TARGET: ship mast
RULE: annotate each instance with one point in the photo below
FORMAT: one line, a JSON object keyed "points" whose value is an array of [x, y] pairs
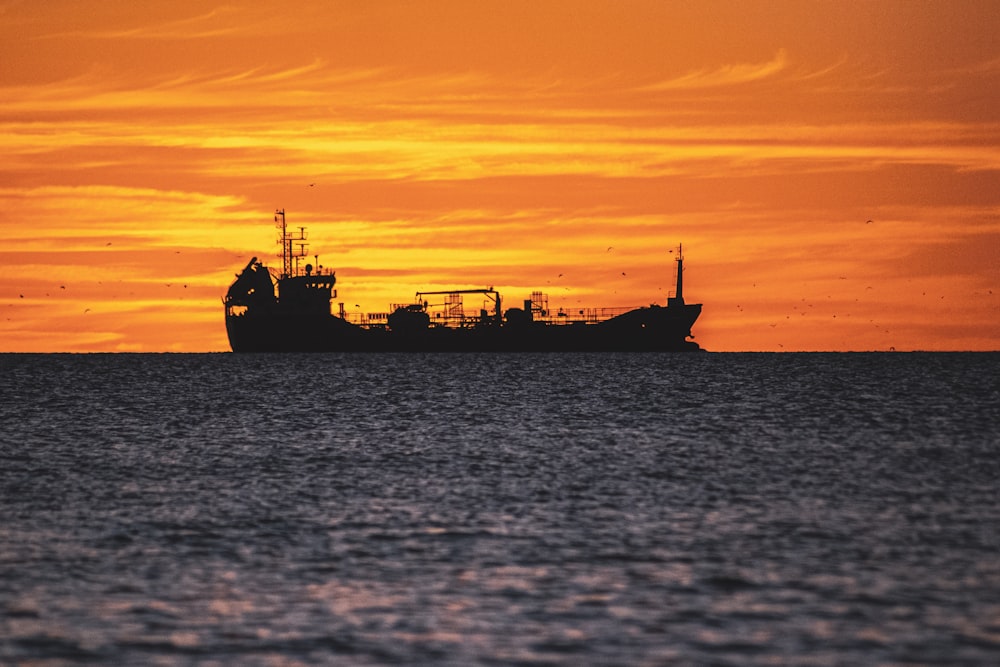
{"points": [[288, 252], [678, 297], [680, 273]]}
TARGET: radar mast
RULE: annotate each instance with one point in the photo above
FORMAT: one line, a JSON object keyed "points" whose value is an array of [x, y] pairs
{"points": [[289, 252]]}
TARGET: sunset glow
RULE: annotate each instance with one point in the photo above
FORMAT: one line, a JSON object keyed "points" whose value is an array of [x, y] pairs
{"points": [[832, 168]]}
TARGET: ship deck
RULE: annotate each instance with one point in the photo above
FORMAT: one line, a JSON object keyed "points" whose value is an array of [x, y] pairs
{"points": [[443, 318]]}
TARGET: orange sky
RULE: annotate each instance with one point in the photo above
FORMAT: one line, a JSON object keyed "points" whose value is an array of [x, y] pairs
{"points": [[429, 145]]}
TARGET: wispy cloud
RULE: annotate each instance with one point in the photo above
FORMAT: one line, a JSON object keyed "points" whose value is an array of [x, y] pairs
{"points": [[219, 22], [726, 75]]}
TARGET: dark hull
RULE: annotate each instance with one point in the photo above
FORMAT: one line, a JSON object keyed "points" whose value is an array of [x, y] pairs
{"points": [[652, 329]]}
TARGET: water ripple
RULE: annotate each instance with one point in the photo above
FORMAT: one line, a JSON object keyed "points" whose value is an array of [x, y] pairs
{"points": [[640, 509]]}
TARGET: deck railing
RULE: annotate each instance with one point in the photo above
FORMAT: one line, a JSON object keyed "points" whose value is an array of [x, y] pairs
{"points": [[443, 318]]}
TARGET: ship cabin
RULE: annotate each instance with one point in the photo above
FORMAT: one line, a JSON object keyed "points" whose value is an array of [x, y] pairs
{"points": [[307, 294]]}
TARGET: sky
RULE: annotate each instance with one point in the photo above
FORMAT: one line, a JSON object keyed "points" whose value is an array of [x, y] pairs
{"points": [[832, 169]]}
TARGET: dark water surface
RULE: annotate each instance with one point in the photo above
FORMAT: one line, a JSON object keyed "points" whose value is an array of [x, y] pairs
{"points": [[490, 509]]}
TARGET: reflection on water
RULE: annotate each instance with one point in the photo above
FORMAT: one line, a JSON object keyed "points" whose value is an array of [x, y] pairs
{"points": [[485, 509]]}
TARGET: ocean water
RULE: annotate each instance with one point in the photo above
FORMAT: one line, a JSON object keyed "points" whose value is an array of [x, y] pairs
{"points": [[491, 509]]}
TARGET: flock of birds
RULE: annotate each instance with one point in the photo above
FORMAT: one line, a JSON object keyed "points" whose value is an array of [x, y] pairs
{"points": [[115, 296]]}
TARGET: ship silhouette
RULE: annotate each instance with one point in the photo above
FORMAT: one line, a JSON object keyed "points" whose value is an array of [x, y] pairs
{"points": [[292, 311]]}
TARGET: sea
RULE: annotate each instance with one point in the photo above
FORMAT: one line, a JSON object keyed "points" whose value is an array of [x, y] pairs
{"points": [[500, 509]]}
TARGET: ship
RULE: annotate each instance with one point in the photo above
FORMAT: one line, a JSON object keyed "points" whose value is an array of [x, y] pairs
{"points": [[292, 310]]}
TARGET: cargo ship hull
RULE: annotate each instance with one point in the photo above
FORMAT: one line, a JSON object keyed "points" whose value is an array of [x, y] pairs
{"points": [[652, 329]]}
